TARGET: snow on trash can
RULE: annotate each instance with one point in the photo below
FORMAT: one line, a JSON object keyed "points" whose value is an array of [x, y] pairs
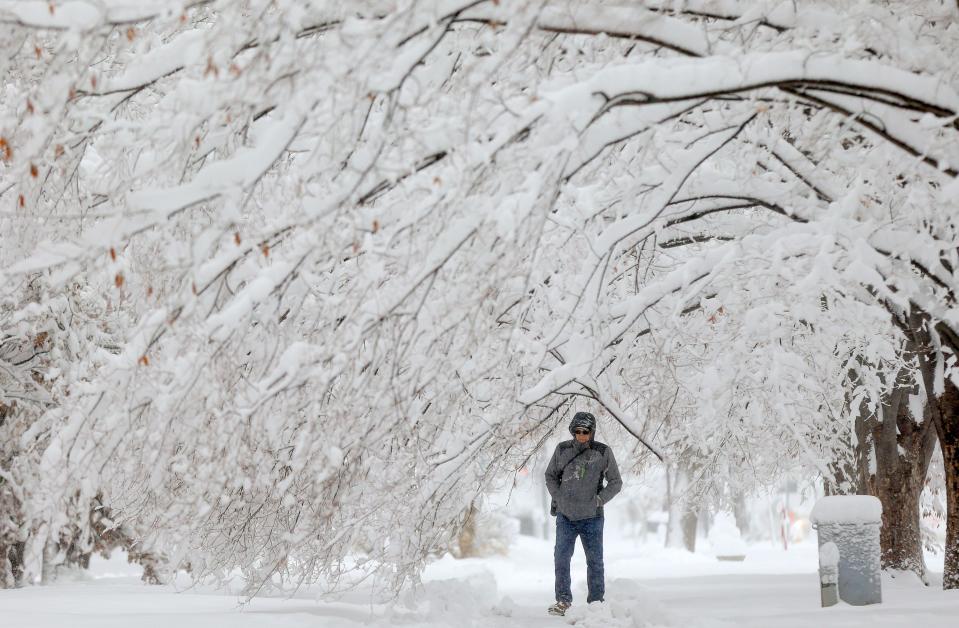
{"points": [[851, 524], [829, 574]]}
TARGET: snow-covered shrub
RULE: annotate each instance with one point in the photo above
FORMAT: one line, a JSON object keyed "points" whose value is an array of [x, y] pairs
{"points": [[725, 538]]}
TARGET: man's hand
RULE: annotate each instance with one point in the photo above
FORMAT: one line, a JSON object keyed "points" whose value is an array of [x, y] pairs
{"points": [[599, 501]]}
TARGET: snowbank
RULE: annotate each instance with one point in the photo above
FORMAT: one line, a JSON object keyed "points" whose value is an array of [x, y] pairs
{"points": [[475, 596], [628, 605], [468, 596], [648, 587]]}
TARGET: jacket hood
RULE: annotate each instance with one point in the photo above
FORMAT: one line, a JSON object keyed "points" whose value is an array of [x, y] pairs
{"points": [[586, 420]]}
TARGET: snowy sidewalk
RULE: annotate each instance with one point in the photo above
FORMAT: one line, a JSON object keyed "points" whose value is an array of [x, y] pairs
{"points": [[648, 587]]}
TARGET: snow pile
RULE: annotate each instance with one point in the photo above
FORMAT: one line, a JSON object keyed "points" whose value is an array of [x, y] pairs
{"points": [[444, 601], [627, 605], [725, 538], [849, 509], [506, 607]]}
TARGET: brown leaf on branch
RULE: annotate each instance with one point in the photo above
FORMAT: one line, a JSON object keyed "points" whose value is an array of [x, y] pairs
{"points": [[118, 280], [211, 68], [715, 316], [34, 171], [113, 254], [5, 149]]}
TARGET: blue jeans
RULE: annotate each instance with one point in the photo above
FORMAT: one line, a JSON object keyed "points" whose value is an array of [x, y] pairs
{"points": [[590, 533]]}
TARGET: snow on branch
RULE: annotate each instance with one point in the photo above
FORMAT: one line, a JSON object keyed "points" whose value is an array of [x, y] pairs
{"points": [[86, 14]]}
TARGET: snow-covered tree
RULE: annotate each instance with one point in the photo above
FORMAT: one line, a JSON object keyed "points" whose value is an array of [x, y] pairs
{"points": [[351, 260]]}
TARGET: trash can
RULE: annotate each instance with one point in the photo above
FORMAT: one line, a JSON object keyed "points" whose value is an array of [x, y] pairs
{"points": [[851, 523]]}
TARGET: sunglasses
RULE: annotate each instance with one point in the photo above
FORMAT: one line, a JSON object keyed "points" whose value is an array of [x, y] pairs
{"points": [[582, 432]]}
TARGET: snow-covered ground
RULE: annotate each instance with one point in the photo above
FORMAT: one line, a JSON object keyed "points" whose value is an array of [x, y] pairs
{"points": [[647, 587]]}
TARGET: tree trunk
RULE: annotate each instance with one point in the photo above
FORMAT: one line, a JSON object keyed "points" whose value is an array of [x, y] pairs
{"points": [[675, 489], [11, 565], [892, 455], [741, 514], [900, 536], [849, 469], [466, 541], [903, 448], [48, 570], [944, 412], [689, 521], [681, 528], [948, 428]]}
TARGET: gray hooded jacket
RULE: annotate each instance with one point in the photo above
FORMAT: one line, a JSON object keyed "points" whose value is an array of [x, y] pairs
{"points": [[575, 476]]}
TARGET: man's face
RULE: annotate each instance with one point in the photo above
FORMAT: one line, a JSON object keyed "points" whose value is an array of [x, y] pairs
{"points": [[582, 434]]}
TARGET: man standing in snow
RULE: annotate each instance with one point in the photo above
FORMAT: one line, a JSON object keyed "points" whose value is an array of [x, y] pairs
{"points": [[575, 478]]}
